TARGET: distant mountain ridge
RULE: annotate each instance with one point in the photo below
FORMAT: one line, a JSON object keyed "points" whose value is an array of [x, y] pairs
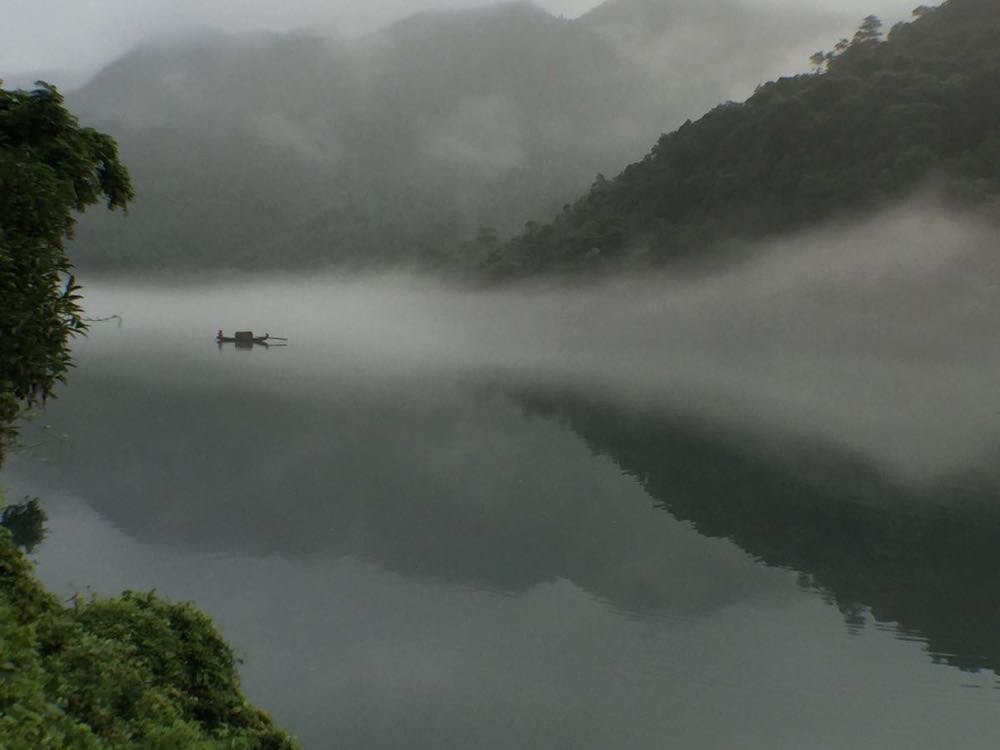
{"points": [[876, 121], [416, 146]]}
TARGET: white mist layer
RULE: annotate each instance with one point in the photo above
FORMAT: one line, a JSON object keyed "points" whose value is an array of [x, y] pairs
{"points": [[881, 338]]}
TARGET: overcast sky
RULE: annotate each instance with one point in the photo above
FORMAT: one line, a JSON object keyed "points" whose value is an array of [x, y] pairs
{"points": [[74, 38]]}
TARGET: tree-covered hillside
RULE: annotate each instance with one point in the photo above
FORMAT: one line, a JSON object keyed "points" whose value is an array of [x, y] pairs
{"points": [[878, 118], [398, 148]]}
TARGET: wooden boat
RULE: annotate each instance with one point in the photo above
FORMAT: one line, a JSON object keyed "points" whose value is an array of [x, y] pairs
{"points": [[244, 339]]}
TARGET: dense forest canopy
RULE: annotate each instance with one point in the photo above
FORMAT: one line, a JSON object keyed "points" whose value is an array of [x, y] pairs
{"points": [[878, 118]]}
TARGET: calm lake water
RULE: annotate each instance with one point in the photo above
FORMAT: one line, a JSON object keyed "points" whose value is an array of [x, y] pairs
{"points": [[424, 528]]}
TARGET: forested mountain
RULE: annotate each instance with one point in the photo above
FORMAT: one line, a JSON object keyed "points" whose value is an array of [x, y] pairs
{"points": [[416, 145], [877, 119]]}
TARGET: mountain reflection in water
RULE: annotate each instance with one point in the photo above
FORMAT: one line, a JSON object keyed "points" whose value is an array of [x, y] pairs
{"points": [[921, 559], [422, 485]]}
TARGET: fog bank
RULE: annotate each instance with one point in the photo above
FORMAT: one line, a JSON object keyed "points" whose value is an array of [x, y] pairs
{"points": [[71, 42], [880, 337]]}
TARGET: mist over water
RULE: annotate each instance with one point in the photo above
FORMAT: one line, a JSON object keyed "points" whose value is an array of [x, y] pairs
{"points": [[746, 500], [697, 505], [880, 338]]}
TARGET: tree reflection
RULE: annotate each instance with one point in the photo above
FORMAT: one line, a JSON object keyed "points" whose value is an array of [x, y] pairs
{"points": [[26, 523], [923, 559]]}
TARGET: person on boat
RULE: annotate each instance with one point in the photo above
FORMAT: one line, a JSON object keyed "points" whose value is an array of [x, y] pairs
{"points": [[219, 337]]}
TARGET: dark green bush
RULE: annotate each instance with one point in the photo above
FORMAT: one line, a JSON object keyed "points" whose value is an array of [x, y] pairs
{"points": [[107, 673]]}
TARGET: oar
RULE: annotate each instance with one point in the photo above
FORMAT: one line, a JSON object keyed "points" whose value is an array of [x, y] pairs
{"points": [[277, 338]]}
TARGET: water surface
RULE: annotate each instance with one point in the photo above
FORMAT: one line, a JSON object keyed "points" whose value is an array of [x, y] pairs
{"points": [[459, 520]]}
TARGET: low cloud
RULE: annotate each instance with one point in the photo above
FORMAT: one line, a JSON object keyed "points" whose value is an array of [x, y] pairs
{"points": [[880, 337], [483, 132]]}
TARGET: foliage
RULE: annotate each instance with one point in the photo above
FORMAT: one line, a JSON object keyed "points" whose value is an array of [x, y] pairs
{"points": [[9, 409], [25, 521], [50, 168], [877, 120], [104, 673], [109, 673]]}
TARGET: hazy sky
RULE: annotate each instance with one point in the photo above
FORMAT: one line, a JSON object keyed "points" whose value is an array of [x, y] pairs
{"points": [[76, 37]]}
